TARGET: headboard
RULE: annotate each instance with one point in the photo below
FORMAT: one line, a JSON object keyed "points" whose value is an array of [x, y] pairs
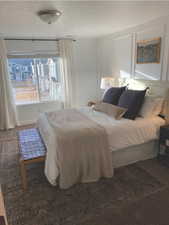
{"points": [[157, 88]]}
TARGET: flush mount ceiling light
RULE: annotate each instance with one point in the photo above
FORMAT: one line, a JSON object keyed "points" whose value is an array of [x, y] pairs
{"points": [[49, 16]]}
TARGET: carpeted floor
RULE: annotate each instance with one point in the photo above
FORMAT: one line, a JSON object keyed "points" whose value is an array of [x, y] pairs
{"points": [[137, 195]]}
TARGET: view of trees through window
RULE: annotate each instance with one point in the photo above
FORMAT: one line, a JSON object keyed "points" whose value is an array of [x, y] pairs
{"points": [[35, 79]]}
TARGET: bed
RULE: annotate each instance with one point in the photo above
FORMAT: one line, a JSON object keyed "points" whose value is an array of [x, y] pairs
{"points": [[129, 141]]}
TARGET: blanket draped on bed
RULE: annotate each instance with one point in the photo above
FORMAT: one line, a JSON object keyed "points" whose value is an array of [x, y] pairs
{"points": [[82, 148]]}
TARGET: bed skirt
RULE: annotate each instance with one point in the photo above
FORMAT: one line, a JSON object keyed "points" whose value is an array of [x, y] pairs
{"points": [[126, 156]]}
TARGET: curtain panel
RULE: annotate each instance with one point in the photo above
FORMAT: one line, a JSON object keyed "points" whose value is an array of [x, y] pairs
{"points": [[8, 118], [67, 72]]}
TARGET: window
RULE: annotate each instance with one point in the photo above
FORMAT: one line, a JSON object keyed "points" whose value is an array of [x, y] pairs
{"points": [[35, 79]]}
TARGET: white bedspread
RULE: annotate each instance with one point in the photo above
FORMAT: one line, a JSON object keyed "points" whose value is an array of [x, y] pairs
{"points": [[124, 133], [121, 134]]}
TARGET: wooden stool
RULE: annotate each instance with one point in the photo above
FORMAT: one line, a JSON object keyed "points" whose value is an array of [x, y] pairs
{"points": [[32, 150]]}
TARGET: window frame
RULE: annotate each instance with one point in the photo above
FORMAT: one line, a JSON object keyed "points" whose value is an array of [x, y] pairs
{"points": [[20, 56]]}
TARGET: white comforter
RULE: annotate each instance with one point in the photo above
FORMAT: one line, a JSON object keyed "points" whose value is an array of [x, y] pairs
{"points": [[121, 134], [124, 133]]}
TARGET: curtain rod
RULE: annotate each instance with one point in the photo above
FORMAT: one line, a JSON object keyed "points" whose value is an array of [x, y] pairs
{"points": [[27, 39]]}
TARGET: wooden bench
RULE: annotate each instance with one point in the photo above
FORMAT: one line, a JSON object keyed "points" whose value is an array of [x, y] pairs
{"points": [[32, 150], [3, 218]]}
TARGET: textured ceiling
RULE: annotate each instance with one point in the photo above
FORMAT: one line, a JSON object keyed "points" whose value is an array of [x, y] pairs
{"points": [[79, 19]]}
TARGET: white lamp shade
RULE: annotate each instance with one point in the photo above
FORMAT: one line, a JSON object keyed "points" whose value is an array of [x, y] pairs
{"points": [[106, 82]]}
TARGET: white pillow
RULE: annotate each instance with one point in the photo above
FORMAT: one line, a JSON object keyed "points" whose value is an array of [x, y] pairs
{"points": [[111, 110], [152, 106]]}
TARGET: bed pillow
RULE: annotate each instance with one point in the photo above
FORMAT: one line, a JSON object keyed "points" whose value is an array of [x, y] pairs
{"points": [[111, 110], [113, 94], [152, 106], [132, 100]]}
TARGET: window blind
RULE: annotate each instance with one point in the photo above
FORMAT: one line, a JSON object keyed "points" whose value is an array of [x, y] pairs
{"points": [[31, 48]]}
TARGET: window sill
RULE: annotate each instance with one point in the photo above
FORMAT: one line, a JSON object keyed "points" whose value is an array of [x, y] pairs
{"points": [[29, 103], [37, 103]]}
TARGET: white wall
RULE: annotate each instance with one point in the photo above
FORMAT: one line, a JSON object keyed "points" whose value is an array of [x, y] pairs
{"points": [[29, 113], [84, 54], [117, 52], [106, 56], [85, 58], [115, 55]]}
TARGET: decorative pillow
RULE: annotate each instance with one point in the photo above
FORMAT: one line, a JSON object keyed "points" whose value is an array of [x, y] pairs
{"points": [[111, 110], [113, 94], [152, 106], [132, 100]]}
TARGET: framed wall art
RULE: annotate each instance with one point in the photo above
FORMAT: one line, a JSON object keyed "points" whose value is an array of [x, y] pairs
{"points": [[148, 51]]}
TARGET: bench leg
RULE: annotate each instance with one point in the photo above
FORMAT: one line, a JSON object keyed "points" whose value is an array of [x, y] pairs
{"points": [[23, 174]]}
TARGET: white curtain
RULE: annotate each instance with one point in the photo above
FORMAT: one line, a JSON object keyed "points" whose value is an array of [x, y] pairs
{"points": [[7, 105], [67, 72]]}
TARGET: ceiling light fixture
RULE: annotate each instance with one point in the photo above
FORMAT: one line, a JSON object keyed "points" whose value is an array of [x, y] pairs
{"points": [[49, 16]]}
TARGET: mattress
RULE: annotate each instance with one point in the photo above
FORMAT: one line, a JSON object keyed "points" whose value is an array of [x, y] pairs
{"points": [[121, 133]]}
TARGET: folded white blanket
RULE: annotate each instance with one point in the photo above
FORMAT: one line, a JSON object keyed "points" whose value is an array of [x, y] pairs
{"points": [[82, 152]]}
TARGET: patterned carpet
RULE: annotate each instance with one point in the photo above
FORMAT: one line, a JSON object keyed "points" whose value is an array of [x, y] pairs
{"points": [[101, 203]]}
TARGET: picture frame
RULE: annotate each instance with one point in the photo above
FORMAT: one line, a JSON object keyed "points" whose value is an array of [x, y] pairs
{"points": [[148, 51]]}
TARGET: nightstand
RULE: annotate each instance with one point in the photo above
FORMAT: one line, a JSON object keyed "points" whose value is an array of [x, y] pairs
{"points": [[164, 136]]}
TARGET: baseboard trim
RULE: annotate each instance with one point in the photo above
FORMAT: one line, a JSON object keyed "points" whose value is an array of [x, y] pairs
{"points": [[28, 122]]}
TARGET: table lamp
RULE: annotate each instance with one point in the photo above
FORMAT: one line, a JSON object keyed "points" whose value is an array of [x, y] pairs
{"points": [[106, 82]]}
